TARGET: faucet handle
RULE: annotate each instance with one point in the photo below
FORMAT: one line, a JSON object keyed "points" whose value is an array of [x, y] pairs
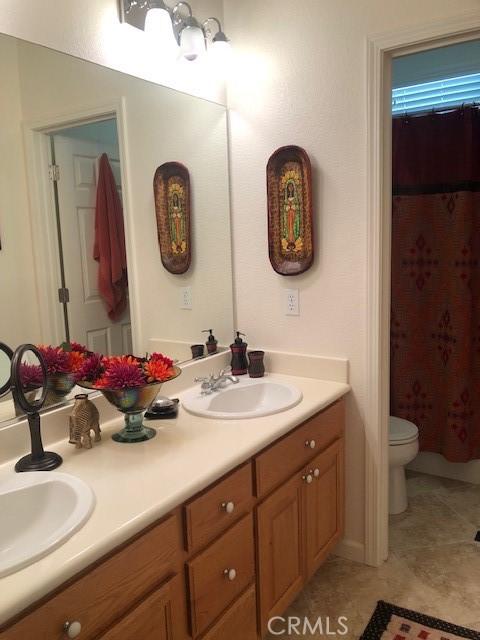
{"points": [[203, 379]]}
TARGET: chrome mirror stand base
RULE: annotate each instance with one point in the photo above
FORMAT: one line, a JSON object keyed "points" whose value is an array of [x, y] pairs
{"points": [[48, 462]]}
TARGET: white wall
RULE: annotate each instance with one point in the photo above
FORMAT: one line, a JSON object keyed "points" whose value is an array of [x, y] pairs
{"points": [[90, 29], [161, 125], [17, 289], [301, 79]]}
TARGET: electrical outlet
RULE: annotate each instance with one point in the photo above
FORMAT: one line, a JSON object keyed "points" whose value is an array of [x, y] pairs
{"points": [[292, 302], [186, 298]]}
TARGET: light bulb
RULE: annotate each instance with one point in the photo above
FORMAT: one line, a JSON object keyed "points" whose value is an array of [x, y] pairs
{"points": [[158, 25], [192, 42]]}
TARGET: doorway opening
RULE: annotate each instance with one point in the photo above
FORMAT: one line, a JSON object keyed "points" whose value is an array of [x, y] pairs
{"points": [[382, 49], [434, 429], [85, 172]]}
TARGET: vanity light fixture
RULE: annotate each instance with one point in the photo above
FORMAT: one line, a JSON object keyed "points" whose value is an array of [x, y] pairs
{"points": [[190, 34], [171, 26], [220, 44], [158, 22]]}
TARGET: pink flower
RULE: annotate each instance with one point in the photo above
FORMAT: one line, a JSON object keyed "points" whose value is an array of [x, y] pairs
{"points": [[76, 346], [120, 374], [56, 359], [91, 369], [31, 375], [159, 357]]}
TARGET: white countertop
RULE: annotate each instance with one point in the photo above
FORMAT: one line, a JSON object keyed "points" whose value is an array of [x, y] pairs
{"points": [[137, 484]]}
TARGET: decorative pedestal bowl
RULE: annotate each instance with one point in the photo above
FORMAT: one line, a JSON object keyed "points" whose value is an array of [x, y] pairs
{"points": [[59, 385], [133, 402]]}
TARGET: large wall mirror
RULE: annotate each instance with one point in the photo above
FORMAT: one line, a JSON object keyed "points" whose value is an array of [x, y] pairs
{"points": [[59, 116]]}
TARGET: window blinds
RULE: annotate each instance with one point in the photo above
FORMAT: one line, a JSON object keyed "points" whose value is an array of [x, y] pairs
{"points": [[447, 94]]}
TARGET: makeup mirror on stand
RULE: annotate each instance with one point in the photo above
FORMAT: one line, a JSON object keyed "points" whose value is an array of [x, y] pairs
{"points": [[29, 389]]}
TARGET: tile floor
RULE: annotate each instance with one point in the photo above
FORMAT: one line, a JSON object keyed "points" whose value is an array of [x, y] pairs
{"points": [[433, 567]]}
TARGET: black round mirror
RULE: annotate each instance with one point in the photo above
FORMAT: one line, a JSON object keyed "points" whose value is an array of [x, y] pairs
{"points": [[29, 378], [6, 355], [29, 388]]}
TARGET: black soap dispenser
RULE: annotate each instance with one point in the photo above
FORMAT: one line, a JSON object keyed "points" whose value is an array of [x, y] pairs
{"points": [[211, 342], [239, 355]]}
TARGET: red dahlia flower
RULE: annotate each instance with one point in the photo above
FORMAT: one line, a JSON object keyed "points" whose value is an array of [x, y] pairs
{"points": [[55, 358]]}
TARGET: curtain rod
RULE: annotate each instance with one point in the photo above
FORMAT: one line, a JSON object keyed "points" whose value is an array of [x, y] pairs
{"points": [[434, 110]]}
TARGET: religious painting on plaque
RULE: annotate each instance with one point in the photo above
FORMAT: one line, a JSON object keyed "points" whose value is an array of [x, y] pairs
{"points": [[290, 223], [171, 188]]}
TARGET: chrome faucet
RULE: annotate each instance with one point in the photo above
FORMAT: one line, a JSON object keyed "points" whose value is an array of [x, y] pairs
{"points": [[215, 383]]}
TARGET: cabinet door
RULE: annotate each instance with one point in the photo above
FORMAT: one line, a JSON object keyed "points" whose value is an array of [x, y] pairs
{"points": [[323, 505], [280, 549], [161, 616]]}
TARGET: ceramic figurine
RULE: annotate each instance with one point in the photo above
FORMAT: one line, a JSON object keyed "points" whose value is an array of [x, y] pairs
{"points": [[83, 419]]}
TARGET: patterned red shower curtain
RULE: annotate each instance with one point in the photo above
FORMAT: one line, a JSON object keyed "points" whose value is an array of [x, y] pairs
{"points": [[435, 321]]}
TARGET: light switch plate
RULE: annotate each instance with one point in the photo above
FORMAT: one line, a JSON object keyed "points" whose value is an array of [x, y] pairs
{"points": [[186, 298], [292, 302]]}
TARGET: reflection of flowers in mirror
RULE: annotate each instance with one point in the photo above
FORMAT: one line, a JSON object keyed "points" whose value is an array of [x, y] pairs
{"points": [[67, 360]]}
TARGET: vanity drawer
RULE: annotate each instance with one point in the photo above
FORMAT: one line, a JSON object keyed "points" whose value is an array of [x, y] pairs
{"points": [[212, 587], [239, 622], [161, 616], [101, 596], [278, 462], [214, 510]]}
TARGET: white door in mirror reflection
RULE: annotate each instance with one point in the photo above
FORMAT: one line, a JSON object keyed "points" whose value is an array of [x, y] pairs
{"points": [[77, 159]]}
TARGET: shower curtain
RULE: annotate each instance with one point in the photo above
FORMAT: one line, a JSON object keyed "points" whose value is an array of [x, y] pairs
{"points": [[435, 319]]}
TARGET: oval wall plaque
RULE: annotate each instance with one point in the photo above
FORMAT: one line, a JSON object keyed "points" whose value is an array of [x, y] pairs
{"points": [[171, 188], [290, 217]]}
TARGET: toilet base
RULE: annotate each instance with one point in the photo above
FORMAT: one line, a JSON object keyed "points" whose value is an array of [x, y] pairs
{"points": [[398, 501]]}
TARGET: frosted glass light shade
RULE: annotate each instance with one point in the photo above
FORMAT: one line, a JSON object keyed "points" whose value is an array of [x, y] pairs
{"points": [[221, 50], [192, 43], [158, 24], [220, 54]]}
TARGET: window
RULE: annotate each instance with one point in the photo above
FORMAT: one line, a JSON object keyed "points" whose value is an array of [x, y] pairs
{"points": [[448, 94]]}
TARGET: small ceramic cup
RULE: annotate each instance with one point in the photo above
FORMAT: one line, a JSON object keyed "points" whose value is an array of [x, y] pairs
{"points": [[256, 367], [197, 350]]}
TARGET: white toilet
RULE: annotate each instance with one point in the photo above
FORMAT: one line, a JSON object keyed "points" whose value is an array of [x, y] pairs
{"points": [[403, 447]]}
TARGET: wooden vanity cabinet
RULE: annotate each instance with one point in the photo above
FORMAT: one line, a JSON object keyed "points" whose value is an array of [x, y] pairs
{"points": [[221, 565], [280, 549], [302, 520], [323, 506], [103, 594]]}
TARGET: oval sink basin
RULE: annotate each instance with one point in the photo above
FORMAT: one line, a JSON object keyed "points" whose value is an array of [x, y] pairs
{"points": [[250, 398], [39, 511]]}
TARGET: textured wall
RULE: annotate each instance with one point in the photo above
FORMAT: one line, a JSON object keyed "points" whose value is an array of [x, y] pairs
{"points": [[300, 78], [90, 29], [17, 287]]}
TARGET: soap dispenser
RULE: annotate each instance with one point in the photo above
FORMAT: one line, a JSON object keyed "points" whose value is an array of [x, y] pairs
{"points": [[211, 342], [239, 355]]}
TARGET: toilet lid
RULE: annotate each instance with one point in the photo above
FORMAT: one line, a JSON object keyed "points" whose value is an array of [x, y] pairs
{"points": [[402, 430]]}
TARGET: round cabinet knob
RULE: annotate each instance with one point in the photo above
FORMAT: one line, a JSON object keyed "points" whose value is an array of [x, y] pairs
{"points": [[231, 574], [311, 444], [72, 629], [308, 478], [316, 473], [229, 507]]}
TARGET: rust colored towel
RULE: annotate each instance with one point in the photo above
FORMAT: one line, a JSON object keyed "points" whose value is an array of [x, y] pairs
{"points": [[109, 247]]}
